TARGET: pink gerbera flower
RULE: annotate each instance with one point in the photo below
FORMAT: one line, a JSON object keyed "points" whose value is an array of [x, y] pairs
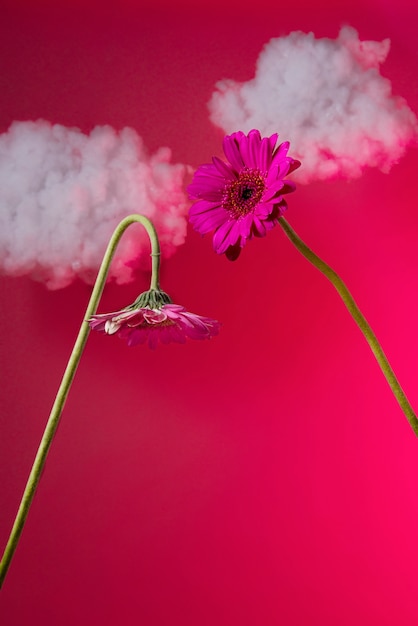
{"points": [[241, 199], [167, 323]]}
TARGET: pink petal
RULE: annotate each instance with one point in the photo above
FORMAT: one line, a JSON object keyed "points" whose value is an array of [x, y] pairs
{"points": [[294, 164], [209, 221], [153, 339], [173, 308], [264, 209], [206, 187], [224, 236], [259, 228], [250, 148], [224, 169], [97, 324], [135, 336], [207, 169], [272, 142], [232, 153], [282, 150], [202, 206], [244, 226], [155, 316], [272, 189], [264, 157], [176, 334], [207, 177], [288, 187], [136, 319]]}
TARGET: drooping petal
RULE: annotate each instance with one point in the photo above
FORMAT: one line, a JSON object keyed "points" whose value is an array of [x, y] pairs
{"points": [[196, 332], [176, 334], [153, 337], [170, 322], [97, 324], [154, 316], [195, 322], [134, 337], [172, 308], [111, 327]]}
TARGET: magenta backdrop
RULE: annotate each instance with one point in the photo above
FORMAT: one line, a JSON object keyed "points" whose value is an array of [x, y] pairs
{"points": [[267, 477]]}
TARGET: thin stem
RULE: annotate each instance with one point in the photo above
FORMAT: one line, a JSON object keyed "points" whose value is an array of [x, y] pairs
{"points": [[68, 377], [359, 319]]}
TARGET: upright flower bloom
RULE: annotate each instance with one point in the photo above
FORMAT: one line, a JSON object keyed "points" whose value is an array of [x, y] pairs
{"points": [[241, 199], [152, 318]]}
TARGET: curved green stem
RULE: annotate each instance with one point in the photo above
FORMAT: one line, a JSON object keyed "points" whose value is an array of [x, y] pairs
{"points": [[68, 377], [358, 318]]}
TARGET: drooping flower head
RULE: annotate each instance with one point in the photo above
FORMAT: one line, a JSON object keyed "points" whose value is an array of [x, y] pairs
{"points": [[241, 199], [151, 319]]}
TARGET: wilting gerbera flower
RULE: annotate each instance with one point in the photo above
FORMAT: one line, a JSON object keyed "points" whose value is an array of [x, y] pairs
{"points": [[241, 199], [168, 323]]}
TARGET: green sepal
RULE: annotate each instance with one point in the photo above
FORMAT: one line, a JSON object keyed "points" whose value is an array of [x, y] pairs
{"points": [[152, 299]]}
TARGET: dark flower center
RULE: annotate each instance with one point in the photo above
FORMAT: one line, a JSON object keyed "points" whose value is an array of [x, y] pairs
{"points": [[247, 192], [242, 195]]}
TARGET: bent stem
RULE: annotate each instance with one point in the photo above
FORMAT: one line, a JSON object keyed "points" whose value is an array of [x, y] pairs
{"points": [[359, 319], [68, 377]]}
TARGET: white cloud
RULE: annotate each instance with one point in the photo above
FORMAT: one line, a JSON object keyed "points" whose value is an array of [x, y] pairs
{"points": [[328, 98], [62, 193]]}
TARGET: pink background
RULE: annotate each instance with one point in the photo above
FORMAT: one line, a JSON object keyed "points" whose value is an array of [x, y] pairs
{"points": [[267, 477]]}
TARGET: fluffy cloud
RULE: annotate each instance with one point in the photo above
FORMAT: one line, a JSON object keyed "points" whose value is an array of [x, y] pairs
{"points": [[328, 98], [62, 193]]}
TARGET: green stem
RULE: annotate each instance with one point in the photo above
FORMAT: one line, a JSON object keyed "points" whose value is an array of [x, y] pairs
{"points": [[68, 377], [358, 318]]}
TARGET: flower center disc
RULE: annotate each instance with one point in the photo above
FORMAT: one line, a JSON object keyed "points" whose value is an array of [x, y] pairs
{"points": [[243, 194]]}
